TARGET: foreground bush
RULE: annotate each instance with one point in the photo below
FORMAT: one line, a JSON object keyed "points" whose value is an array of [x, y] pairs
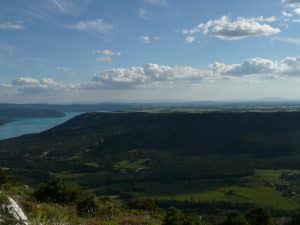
{"points": [[87, 206], [259, 217], [253, 217], [235, 218], [58, 192], [143, 204], [176, 217]]}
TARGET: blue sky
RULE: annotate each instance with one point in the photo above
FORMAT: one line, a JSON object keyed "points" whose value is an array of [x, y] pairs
{"points": [[149, 50]]}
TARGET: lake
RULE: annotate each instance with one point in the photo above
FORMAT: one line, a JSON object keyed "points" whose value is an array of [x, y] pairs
{"points": [[30, 126]]}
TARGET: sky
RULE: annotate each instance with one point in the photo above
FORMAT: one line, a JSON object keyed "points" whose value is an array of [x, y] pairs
{"points": [[72, 51]]}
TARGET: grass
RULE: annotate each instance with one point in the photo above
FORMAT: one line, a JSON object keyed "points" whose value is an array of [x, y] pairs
{"points": [[126, 165], [262, 196], [273, 176], [94, 165]]}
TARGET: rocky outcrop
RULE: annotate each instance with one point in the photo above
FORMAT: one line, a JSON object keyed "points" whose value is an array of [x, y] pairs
{"points": [[12, 212]]}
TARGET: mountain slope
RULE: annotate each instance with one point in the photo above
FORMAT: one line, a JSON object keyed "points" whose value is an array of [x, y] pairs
{"points": [[145, 153]]}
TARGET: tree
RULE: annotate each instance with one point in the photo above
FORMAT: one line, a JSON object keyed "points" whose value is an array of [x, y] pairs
{"points": [[4, 177], [57, 191], [235, 218], [259, 217]]}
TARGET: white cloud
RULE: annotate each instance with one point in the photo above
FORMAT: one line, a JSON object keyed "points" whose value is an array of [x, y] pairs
{"points": [[291, 3], [97, 25], [292, 9], [289, 66], [287, 14], [190, 39], [106, 55], [145, 39], [151, 75], [11, 26], [147, 75], [32, 85], [107, 52], [227, 29], [296, 11], [249, 67]]}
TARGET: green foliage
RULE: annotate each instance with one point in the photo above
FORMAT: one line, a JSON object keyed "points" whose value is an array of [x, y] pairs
{"points": [[4, 177], [192, 220], [295, 220], [235, 218], [143, 204], [49, 214], [57, 191], [259, 217], [87, 206], [176, 217]]}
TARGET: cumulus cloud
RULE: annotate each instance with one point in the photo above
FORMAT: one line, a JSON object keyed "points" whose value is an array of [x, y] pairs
{"points": [[11, 26], [106, 55], [289, 66], [97, 25], [145, 39], [148, 74], [151, 74], [227, 29], [291, 3], [291, 10], [32, 85]]}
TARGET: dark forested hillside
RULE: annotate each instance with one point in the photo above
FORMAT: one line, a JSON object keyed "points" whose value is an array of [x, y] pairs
{"points": [[144, 153]]}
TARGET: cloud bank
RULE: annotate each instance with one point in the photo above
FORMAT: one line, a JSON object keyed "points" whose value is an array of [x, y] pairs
{"points": [[151, 74], [227, 29]]}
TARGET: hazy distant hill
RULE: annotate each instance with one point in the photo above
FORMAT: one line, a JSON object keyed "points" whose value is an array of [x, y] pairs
{"points": [[10, 112]]}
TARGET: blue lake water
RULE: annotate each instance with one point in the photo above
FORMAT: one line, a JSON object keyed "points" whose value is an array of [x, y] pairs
{"points": [[30, 126]]}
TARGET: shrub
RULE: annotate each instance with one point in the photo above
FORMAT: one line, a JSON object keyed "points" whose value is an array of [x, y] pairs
{"points": [[4, 177], [87, 206], [174, 217], [58, 192], [235, 218], [295, 220], [259, 217], [143, 204]]}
